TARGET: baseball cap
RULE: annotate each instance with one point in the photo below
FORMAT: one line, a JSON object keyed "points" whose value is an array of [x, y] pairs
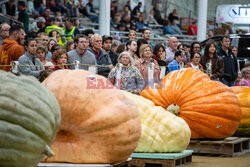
{"points": [[41, 19], [106, 37]]}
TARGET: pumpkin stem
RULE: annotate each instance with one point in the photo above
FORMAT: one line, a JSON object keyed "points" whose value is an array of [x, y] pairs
{"points": [[174, 108], [48, 151]]}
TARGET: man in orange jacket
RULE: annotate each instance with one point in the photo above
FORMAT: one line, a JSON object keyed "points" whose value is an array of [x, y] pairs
{"points": [[11, 48]]}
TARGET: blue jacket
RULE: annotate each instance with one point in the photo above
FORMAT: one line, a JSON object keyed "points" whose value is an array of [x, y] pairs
{"points": [[173, 66]]}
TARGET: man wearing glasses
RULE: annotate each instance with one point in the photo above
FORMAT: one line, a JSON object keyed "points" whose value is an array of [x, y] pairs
{"points": [[4, 31]]}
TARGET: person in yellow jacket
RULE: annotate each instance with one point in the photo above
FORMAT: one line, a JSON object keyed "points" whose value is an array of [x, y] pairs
{"points": [[55, 22], [70, 31]]}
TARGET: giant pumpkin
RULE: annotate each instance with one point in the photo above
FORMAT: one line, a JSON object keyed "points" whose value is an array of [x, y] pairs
{"points": [[161, 131], [243, 94], [29, 119], [210, 108], [99, 124]]}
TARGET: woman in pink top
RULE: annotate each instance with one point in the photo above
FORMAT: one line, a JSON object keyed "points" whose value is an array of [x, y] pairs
{"points": [[245, 80]]}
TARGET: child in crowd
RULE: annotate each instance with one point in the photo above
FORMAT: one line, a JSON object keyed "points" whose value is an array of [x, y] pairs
{"points": [[41, 54], [60, 57]]}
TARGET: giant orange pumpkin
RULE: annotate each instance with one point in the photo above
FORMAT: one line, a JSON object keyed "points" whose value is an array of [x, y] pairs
{"points": [[243, 94], [209, 107], [99, 124]]}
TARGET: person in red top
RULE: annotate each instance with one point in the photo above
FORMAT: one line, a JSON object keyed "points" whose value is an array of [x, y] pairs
{"points": [[11, 48], [192, 29], [60, 57]]}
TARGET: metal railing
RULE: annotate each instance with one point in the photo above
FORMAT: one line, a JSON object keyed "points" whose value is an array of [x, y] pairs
{"points": [[9, 20]]}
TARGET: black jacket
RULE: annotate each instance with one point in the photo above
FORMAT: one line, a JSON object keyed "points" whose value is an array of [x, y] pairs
{"points": [[230, 65], [114, 57]]}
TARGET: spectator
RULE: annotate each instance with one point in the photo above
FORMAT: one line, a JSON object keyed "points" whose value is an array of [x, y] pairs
{"points": [[70, 29], [90, 11], [80, 7], [23, 16], [113, 9], [139, 43], [9, 8], [4, 32], [41, 54], [172, 48], [55, 34], [102, 57], [157, 15], [31, 9], [88, 32], [126, 10], [186, 49], [46, 15], [226, 32], [210, 33], [137, 9], [126, 21], [195, 62], [106, 45], [131, 78], [234, 50], [212, 64], [70, 8], [60, 57], [173, 16], [132, 35], [70, 45], [43, 39], [160, 55], [178, 61], [167, 29], [195, 48], [11, 48], [40, 21], [77, 23], [51, 43], [41, 9], [121, 48], [81, 53], [140, 24], [29, 64], [175, 27], [150, 18], [146, 36], [245, 80], [146, 54], [132, 48], [230, 62], [55, 27], [115, 45], [192, 29]]}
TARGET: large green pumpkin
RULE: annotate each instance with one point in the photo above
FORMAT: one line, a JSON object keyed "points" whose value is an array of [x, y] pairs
{"points": [[29, 119]]}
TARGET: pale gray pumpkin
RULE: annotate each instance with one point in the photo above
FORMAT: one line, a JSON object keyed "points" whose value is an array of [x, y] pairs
{"points": [[29, 119]]}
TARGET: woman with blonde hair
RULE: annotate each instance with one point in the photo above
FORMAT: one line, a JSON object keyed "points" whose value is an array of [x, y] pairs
{"points": [[131, 79], [146, 57]]}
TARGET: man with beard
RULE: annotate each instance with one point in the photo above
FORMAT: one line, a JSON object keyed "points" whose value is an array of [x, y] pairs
{"points": [[106, 45], [11, 48]]}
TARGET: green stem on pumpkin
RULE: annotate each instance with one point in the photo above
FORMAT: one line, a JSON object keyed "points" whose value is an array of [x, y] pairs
{"points": [[48, 151], [174, 108]]}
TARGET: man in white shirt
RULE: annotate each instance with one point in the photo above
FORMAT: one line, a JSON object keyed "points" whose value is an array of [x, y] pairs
{"points": [[172, 48]]}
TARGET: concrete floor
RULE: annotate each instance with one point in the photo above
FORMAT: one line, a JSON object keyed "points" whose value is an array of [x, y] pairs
{"points": [[205, 161]]}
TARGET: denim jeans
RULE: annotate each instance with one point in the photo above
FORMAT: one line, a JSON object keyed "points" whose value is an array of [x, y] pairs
{"points": [[228, 83]]}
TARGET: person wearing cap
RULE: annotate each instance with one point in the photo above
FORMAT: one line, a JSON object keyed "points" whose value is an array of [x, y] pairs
{"points": [[55, 26], [70, 30], [102, 57], [40, 21], [106, 45]]}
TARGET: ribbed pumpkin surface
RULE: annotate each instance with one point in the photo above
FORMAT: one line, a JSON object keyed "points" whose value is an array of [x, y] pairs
{"points": [[29, 119], [210, 108], [161, 131], [243, 94], [98, 125]]}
